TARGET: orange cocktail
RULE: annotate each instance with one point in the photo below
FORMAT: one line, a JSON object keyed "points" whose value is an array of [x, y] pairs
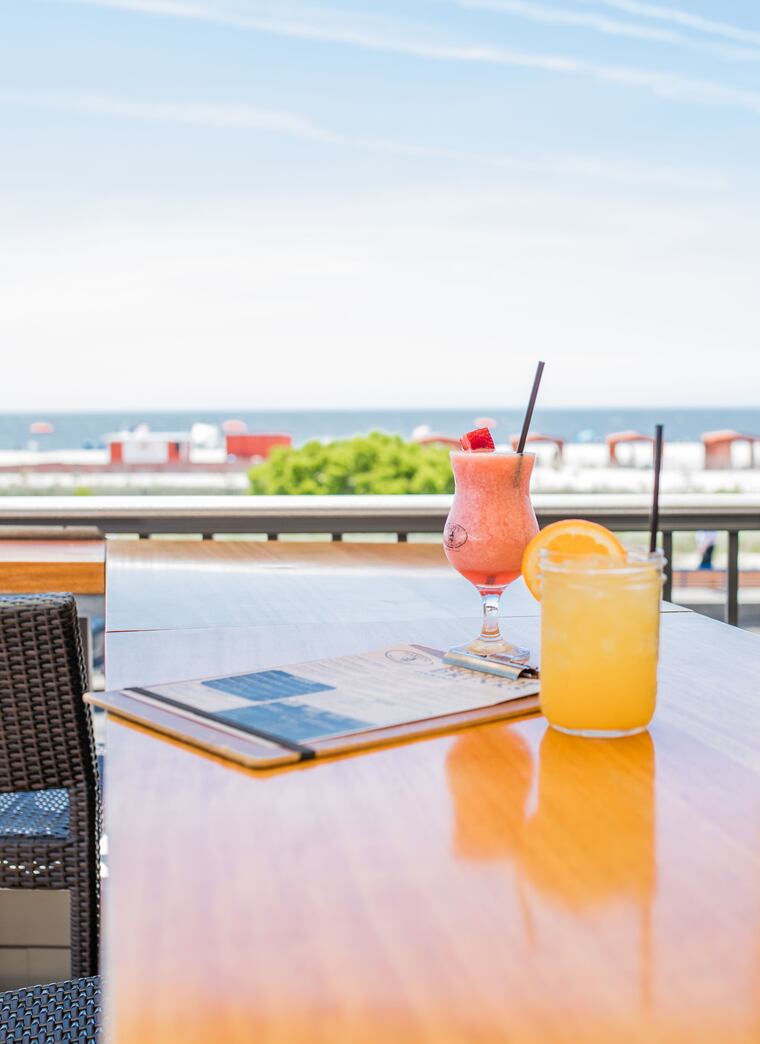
{"points": [[600, 627], [490, 523]]}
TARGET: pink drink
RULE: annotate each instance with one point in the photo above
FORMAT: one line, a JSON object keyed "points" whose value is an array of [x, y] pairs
{"points": [[491, 519]]}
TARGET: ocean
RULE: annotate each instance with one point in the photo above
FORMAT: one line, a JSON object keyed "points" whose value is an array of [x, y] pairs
{"points": [[87, 430]]}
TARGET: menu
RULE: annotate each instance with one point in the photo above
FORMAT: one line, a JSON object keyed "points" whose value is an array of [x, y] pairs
{"points": [[301, 706]]}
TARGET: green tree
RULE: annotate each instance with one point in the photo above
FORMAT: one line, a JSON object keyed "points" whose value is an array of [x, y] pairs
{"points": [[374, 463]]}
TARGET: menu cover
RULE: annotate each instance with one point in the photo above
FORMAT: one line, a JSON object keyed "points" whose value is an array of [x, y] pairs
{"points": [[284, 714]]}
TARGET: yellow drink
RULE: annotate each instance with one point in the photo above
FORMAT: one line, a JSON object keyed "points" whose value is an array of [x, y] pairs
{"points": [[600, 627]]}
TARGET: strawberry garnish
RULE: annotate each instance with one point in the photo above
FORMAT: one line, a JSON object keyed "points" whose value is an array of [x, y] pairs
{"points": [[480, 439]]}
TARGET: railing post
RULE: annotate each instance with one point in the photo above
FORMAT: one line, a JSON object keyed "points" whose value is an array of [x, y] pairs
{"points": [[732, 591], [667, 550]]}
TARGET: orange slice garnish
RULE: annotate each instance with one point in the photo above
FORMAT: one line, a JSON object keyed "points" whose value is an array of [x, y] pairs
{"points": [[571, 536]]}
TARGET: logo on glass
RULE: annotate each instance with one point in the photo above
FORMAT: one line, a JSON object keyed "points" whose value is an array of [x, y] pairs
{"points": [[454, 535]]}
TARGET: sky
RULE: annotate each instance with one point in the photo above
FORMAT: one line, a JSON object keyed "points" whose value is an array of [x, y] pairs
{"points": [[231, 203]]}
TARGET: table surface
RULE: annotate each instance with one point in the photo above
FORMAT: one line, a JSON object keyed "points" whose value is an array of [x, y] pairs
{"points": [[33, 566], [502, 883], [154, 584]]}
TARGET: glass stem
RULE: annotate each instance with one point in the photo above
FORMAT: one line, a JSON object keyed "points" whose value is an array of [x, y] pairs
{"points": [[490, 630]]}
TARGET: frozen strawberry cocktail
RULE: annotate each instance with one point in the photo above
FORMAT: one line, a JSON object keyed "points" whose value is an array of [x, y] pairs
{"points": [[489, 526], [491, 520]]}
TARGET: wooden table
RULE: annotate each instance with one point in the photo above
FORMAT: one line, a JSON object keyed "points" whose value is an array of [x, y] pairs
{"points": [[506, 883], [231, 583], [296, 596]]}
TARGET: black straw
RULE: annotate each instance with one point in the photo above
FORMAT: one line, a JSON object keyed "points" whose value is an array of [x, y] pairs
{"points": [[529, 411], [654, 518]]}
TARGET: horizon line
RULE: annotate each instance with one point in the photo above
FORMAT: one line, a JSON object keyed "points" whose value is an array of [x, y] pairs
{"points": [[519, 407]]}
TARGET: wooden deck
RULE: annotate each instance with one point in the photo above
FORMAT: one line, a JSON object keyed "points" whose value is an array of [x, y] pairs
{"points": [[34, 566], [713, 579]]}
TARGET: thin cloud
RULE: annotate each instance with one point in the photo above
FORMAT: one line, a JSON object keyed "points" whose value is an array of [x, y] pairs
{"points": [[687, 19], [307, 26], [247, 117], [607, 25], [660, 84]]}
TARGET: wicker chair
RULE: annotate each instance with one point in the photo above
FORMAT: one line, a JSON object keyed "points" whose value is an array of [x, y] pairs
{"points": [[63, 1011], [49, 794]]}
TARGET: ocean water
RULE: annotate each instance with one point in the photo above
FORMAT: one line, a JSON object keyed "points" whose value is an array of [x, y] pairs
{"points": [[78, 430]]}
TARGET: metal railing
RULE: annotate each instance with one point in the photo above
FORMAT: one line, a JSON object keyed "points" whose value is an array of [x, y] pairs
{"points": [[402, 515]]}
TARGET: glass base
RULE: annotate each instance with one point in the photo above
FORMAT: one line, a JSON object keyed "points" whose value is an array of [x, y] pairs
{"points": [[491, 663], [599, 733], [498, 647]]}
